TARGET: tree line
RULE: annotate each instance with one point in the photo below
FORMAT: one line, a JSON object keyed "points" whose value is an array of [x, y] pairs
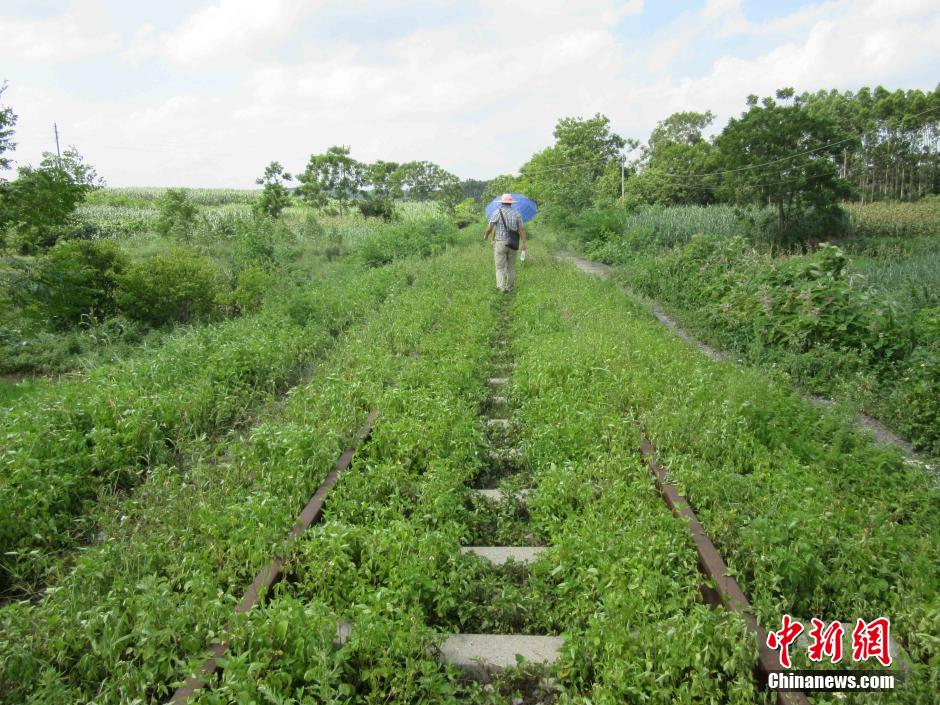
{"points": [[335, 177], [798, 154], [37, 207]]}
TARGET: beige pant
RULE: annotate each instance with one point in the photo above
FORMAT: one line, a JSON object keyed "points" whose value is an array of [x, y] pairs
{"points": [[505, 266]]}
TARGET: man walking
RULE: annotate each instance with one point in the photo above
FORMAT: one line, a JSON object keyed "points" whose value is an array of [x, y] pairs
{"points": [[504, 221]]}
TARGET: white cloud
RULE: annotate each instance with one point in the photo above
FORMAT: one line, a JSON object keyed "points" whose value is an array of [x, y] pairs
{"points": [[477, 95], [719, 8], [230, 25], [840, 45], [60, 38]]}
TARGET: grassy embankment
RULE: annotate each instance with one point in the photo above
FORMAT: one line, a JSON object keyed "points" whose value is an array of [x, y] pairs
{"points": [[859, 321]]}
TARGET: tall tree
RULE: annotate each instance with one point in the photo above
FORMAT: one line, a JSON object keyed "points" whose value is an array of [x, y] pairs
{"points": [[778, 153], [40, 203], [333, 174], [379, 177], [473, 188], [505, 183], [897, 155], [274, 196], [566, 173], [426, 181], [674, 160], [7, 123]]}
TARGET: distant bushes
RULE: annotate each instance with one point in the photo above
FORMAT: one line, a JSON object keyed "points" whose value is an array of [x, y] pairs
{"points": [[77, 281], [423, 238], [250, 287], [180, 286], [85, 282], [378, 207], [467, 212], [177, 215]]}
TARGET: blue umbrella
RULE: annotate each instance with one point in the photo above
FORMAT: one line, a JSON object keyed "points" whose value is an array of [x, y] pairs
{"points": [[526, 207]]}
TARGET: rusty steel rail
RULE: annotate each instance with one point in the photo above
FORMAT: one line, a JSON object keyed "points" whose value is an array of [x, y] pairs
{"points": [[726, 592], [272, 572]]}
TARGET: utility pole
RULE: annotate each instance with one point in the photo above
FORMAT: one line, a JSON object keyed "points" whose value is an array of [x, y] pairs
{"points": [[57, 150]]}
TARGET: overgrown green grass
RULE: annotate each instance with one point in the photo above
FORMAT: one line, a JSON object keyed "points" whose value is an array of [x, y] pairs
{"points": [[102, 433], [812, 518], [174, 557], [619, 579], [907, 271], [864, 327], [13, 388]]}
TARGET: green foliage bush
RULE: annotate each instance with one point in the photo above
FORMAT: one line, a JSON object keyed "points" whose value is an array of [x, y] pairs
{"points": [[275, 196], [378, 207], [77, 281], [812, 314], [48, 351], [423, 238], [262, 242], [467, 212], [795, 303], [180, 286], [913, 403], [178, 214], [251, 285], [38, 207]]}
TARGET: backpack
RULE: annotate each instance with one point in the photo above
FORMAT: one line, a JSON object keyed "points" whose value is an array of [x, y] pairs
{"points": [[513, 242]]}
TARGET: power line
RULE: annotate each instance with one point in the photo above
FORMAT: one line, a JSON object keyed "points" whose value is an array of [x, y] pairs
{"points": [[565, 165]]}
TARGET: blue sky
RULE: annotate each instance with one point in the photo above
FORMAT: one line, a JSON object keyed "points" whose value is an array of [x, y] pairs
{"points": [[206, 93]]}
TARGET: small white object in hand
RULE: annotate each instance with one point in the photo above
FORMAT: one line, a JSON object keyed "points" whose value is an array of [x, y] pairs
{"points": [[522, 256]]}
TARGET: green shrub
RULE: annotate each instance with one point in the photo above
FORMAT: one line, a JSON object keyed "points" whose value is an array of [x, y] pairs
{"points": [[802, 303], [39, 205], [424, 238], [178, 214], [248, 294], [914, 402], [177, 287], [76, 281], [467, 212], [378, 207], [309, 227], [334, 246], [261, 241], [47, 352]]}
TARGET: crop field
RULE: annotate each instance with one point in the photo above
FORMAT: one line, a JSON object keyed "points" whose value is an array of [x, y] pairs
{"points": [[142, 496]]}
